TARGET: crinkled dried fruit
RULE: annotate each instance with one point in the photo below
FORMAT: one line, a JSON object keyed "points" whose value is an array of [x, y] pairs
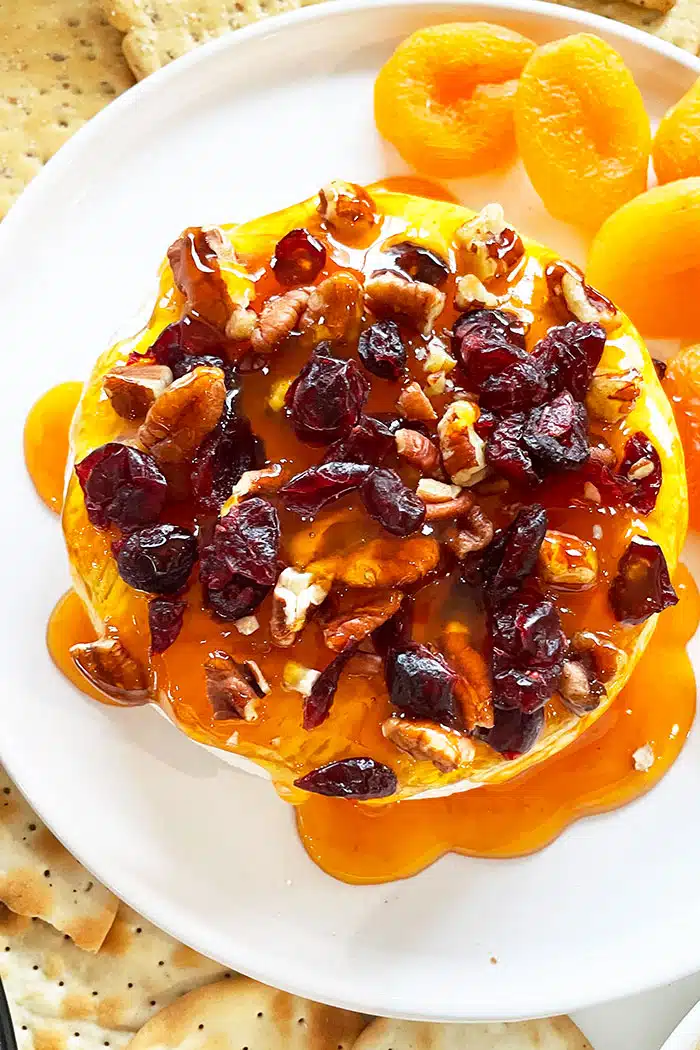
{"points": [[358, 778], [311, 490], [382, 350], [506, 451], [165, 622], [369, 441], [396, 507], [186, 344], [516, 389], [503, 566], [122, 486], [224, 456], [157, 558], [569, 355], [641, 466], [642, 586], [487, 342], [422, 685], [326, 398], [556, 434], [514, 732], [527, 652], [298, 259], [239, 567], [317, 705], [420, 263]]}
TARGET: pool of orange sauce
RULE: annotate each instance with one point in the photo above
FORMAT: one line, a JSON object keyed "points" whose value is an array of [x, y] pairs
{"points": [[46, 441]]}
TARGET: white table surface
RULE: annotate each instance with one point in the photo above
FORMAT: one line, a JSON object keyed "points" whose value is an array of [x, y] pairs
{"points": [[642, 1022]]}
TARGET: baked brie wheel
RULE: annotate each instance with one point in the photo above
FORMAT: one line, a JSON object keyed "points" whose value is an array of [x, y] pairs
{"points": [[384, 501]]}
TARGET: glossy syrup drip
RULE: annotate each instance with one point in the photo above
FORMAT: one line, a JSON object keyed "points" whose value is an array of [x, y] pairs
{"points": [[46, 441], [361, 844]]}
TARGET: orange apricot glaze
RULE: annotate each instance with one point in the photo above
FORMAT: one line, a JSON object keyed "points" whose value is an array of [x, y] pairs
{"points": [[46, 441]]}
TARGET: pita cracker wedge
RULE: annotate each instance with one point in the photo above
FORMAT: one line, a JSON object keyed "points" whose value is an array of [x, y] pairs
{"points": [[55, 990], [237, 1013], [553, 1033], [39, 878]]}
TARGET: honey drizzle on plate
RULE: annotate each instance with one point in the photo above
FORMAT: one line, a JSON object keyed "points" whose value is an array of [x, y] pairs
{"points": [[46, 441]]}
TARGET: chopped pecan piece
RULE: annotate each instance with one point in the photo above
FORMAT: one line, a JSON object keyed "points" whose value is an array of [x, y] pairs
{"points": [[181, 418], [612, 395], [414, 404], [473, 532], [279, 317], [472, 295], [365, 665], [348, 210], [389, 562], [463, 451], [567, 561], [417, 449], [132, 389], [334, 310], [579, 692], [492, 247], [451, 509], [253, 483], [608, 658], [393, 295], [445, 748], [241, 324], [294, 594], [431, 491], [568, 287], [473, 685], [233, 690], [108, 665], [299, 679], [352, 626]]}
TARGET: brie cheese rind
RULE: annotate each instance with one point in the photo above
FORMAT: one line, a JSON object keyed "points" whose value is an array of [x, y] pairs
{"points": [[274, 742]]}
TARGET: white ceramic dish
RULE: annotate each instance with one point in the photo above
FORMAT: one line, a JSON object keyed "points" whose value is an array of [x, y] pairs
{"points": [[687, 1035], [247, 124]]}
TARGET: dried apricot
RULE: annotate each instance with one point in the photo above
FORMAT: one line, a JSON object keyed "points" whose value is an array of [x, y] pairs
{"points": [[646, 257], [445, 97], [582, 129], [676, 148], [682, 384]]}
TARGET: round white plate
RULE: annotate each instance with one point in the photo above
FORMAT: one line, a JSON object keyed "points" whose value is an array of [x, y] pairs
{"points": [[687, 1035], [249, 123]]}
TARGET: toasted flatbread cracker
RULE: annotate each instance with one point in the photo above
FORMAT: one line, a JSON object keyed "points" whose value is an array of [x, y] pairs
{"points": [[38, 877], [680, 25], [553, 1033], [55, 990], [60, 62], [242, 1013], [157, 31]]}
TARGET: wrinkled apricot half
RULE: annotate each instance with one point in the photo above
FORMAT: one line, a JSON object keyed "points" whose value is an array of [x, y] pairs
{"points": [[676, 148], [682, 384], [582, 130], [646, 257], [445, 97]]}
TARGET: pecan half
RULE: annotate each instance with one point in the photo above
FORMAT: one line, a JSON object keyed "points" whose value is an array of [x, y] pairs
{"points": [[463, 451], [233, 690], [279, 317], [471, 294], [195, 261], [334, 310], [473, 532], [132, 389], [413, 404], [390, 294], [108, 665], [492, 248], [348, 210], [473, 685], [181, 418], [567, 561], [418, 450], [445, 748], [612, 395], [294, 594], [352, 626], [577, 299]]}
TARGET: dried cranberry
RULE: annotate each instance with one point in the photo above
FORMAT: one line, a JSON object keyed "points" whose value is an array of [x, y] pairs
{"points": [[396, 507], [239, 597], [556, 434], [224, 456], [186, 344], [422, 685], [359, 778], [613, 489], [317, 705], [506, 451], [486, 424], [308, 492], [659, 367], [122, 486], [475, 331], [382, 350], [239, 567], [369, 441], [514, 732], [298, 258], [510, 557], [157, 558], [642, 586], [641, 466], [326, 398], [569, 355], [517, 389], [165, 622], [395, 633], [419, 263], [527, 652]]}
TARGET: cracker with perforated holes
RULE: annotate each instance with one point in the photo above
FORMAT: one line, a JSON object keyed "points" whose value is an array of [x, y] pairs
{"points": [[38, 877], [55, 990], [242, 1013], [552, 1033], [60, 63]]}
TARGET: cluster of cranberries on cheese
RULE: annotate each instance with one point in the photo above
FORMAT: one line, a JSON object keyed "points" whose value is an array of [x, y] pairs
{"points": [[385, 498]]}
